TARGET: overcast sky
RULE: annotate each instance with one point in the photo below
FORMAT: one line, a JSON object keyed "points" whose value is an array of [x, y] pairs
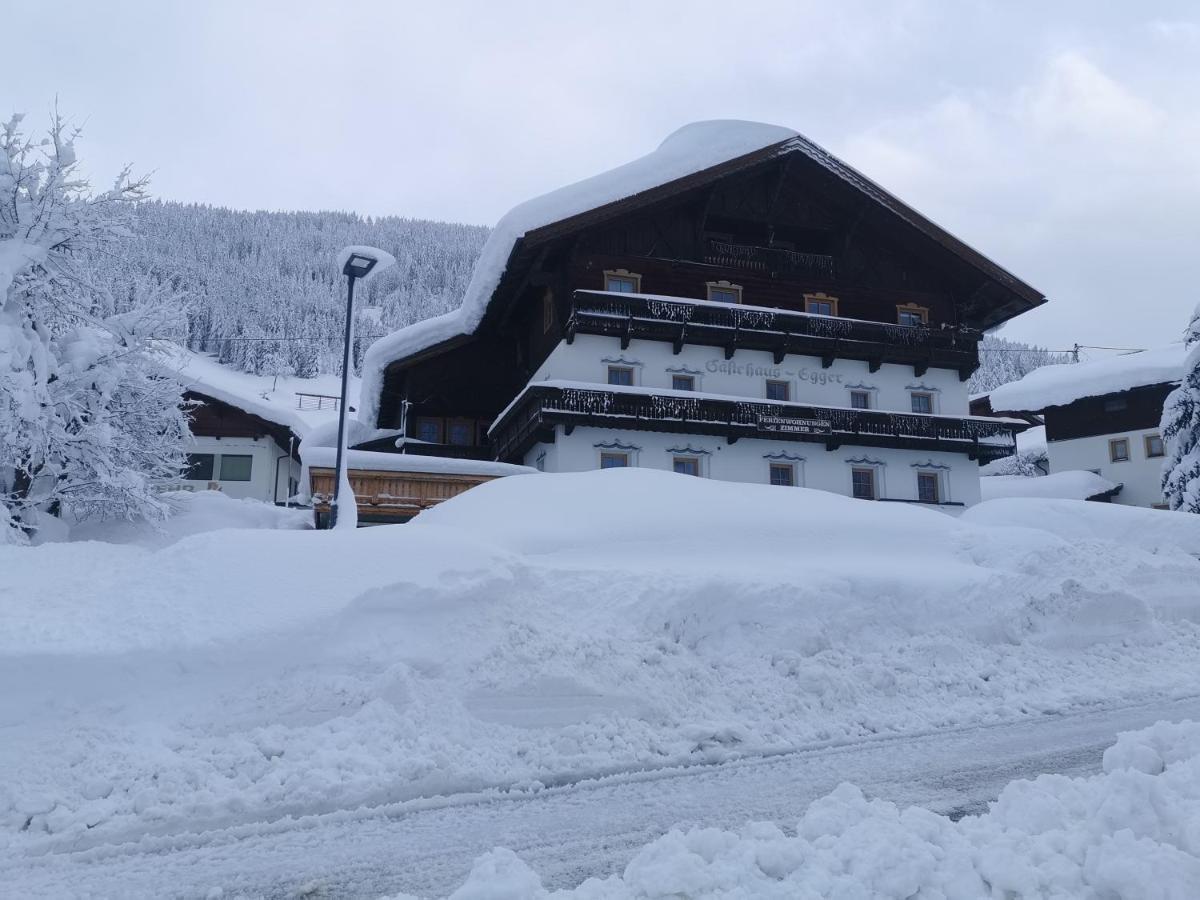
{"points": [[1061, 139]]}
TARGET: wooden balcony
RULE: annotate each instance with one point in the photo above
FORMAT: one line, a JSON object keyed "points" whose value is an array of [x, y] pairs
{"points": [[768, 260], [391, 496], [731, 327], [532, 418]]}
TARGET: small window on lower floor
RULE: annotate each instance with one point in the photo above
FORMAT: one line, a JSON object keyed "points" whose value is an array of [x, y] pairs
{"points": [[783, 474], [683, 382], [199, 467], [235, 468], [610, 460], [928, 487], [686, 465], [1118, 450], [1154, 446], [863, 483], [860, 399]]}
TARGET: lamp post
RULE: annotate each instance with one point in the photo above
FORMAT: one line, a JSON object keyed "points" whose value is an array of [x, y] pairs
{"points": [[358, 265]]}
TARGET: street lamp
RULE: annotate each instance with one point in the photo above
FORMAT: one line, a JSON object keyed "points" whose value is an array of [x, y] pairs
{"points": [[359, 262]]}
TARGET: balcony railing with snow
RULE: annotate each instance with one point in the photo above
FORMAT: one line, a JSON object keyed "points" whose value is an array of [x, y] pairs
{"points": [[532, 417], [683, 321]]}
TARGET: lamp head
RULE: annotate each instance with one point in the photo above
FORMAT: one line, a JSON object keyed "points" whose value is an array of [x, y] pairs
{"points": [[358, 265]]}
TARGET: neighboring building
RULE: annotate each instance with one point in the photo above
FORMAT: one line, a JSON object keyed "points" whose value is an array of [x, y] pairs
{"points": [[738, 305], [1103, 417], [246, 429]]}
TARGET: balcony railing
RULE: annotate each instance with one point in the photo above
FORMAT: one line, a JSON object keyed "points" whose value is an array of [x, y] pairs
{"points": [[780, 331], [542, 406], [768, 260]]}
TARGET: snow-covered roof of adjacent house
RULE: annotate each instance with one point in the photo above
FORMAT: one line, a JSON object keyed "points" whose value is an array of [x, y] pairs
{"points": [[689, 151], [273, 399], [1073, 485], [326, 457], [1062, 384]]}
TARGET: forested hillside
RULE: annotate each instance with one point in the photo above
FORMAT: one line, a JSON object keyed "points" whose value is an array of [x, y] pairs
{"points": [[262, 289], [1002, 361]]}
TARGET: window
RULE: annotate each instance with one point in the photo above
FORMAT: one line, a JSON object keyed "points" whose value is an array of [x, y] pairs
{"points": [[922, 402], [547, 310], [199, 467], [429, 430], [614, 460], [1154, 446], [860, 399], [235, 468], [1115, 404], [928, 487], [779, 390], [863, 483], [911, 314], [622, 375], [461, 432], [783, 474], [724, 292], [686, 465], [623, 282], [683, 382], [820, 305], [1118, 450]]}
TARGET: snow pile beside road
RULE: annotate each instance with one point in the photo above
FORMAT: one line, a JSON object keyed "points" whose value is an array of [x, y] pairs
{"points": [[1133, 831], [535, 631], [193, 513]]}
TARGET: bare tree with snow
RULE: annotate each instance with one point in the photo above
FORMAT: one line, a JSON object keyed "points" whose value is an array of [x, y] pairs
{"points": [[87, 423], [1180, 429]]}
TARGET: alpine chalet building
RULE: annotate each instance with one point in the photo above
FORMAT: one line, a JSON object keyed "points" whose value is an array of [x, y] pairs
{"points": [[739, 304]]}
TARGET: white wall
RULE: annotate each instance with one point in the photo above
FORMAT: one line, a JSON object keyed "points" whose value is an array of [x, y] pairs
{"points": [[263, 452], [1141, 476], [746, 374], [747, 461]]}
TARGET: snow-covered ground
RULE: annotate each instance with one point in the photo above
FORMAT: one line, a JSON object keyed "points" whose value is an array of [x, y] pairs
{"points": [[542, 629]]}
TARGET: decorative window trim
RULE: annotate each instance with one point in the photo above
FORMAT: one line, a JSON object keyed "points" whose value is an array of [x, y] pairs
{"points": [[689, 450], [913, 308], [735, 289], [866, 461], [624, 273], [1112, 446], [617, 445], [922, 387], [933, 402], [622, 361], [783, 455], [682, 370], [821, 297], [930, 464]]}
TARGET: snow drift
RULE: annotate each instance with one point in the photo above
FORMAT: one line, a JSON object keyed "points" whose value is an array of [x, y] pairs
{"points": [[542, 629]]}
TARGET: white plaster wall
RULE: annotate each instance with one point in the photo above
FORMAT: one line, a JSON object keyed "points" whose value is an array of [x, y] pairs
{"points": [[746, 461], [746, 374], [1141, 476], [262, 484]]}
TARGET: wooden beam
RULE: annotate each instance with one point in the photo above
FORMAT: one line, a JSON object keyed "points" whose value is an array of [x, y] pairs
{"points": [[874, 364], [920, 368]]}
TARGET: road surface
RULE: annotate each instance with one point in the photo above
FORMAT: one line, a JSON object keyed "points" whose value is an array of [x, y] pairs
{"points": [[575, 831]]}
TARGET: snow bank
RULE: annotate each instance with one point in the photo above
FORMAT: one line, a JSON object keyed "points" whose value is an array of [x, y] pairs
{"points": [[1062, 384], [595, 622], [1150, 530], [691, 149], [1076, 485], [193, 513], [1133, 831], [265, 396]]}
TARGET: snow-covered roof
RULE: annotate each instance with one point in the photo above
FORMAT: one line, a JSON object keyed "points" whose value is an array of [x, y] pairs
{"points": [[1062, 384], [326, 457], [1072, 485], [270, 398], [691, 149]]}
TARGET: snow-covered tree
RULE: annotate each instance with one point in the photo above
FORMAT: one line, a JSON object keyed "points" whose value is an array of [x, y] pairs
{"points": [[1002, 361], [1180, 430], [87, 422]]}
